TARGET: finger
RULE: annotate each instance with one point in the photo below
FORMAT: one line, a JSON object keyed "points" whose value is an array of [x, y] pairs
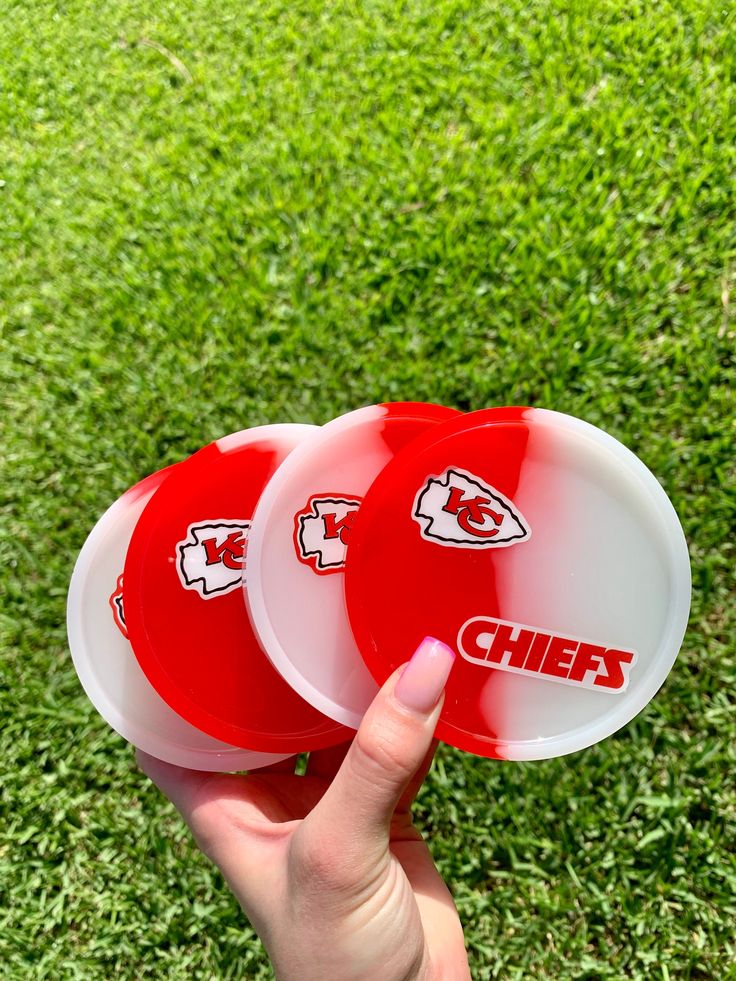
{"points": [[220, 809], [179, 784], [410, 794], [348, 829], [214, 805], [225, 812], [282, 766], [326, 762]]}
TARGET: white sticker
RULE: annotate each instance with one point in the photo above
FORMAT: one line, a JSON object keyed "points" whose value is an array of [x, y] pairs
{"points": [[322, 530], [459, 510], [545, 654], [116, 605], [211, 558]]}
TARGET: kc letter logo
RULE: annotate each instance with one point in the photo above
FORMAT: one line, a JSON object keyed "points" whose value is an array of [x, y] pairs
{"points": [[210, 560], [459, 510], [322, 530]]}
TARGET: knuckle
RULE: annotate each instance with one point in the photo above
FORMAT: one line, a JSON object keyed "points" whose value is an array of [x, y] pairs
{"points": [[208, 823], [318, 866], [384, 749], [214, 816]]}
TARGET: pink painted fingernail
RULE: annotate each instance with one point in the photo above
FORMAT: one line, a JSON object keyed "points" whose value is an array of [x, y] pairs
{"points": [[424, 677]]}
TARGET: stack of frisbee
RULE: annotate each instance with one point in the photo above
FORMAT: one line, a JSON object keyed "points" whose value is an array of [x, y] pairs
{"points": [[245, 604]]}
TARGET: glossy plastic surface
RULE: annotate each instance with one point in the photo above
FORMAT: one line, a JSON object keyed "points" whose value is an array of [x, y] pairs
{"points": [[546, 555], [297, 546], [184, 602], [104, 660]]}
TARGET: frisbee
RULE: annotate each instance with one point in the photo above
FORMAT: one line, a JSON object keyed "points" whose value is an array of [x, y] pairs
{"points": [[297, 546], [546, 555], [104, 660], [184, 605]]}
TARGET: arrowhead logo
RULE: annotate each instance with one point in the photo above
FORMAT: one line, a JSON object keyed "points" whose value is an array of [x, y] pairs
{"points": [[210, 560], [116, 605], [322, 530], [460, 510]]}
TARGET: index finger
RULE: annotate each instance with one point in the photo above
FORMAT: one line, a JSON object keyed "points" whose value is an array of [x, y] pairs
{"points": [[326, 762]]}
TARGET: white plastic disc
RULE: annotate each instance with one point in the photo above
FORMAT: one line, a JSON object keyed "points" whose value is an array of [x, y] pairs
{"points": [[104, 659], [296, 552]]}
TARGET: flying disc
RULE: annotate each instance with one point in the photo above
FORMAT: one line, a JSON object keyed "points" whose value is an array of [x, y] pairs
{"points": [[546, 554], [297, 547], [184, 605], [104, 660]]}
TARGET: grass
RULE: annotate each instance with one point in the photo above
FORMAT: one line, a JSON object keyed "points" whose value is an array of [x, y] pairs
{"points": [[217, 215]]}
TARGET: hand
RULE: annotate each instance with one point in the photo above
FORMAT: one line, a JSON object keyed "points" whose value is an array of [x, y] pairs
{"points": [[328, 867]]}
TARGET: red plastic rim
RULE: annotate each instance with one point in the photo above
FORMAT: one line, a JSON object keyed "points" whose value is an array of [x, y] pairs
{"points": [[185, 609]]}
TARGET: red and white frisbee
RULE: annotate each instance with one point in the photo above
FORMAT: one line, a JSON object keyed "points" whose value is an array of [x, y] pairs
{"points": [[184, 605], [104, 660], [546, 555], [297, 545]]}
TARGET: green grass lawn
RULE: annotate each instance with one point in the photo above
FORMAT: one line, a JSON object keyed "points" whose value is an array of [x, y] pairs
{"points": [[224, 214]]}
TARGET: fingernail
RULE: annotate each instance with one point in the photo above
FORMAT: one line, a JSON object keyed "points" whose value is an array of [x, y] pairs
{"points": [[423, 681]]}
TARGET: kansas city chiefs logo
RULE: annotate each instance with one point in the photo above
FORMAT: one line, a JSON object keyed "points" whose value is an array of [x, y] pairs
{"points": [[540, 653], [460, 510], [322, 530], [116, 605], [210, 560]]}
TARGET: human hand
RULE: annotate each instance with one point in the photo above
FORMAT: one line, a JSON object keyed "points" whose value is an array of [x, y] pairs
{"points": [[328, 867]]}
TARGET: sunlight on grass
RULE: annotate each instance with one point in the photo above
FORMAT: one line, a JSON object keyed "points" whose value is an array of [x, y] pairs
{"points": [[221, 215]]}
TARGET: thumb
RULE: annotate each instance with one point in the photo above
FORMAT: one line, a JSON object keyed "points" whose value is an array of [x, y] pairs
{"points": [[348, 830]]}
